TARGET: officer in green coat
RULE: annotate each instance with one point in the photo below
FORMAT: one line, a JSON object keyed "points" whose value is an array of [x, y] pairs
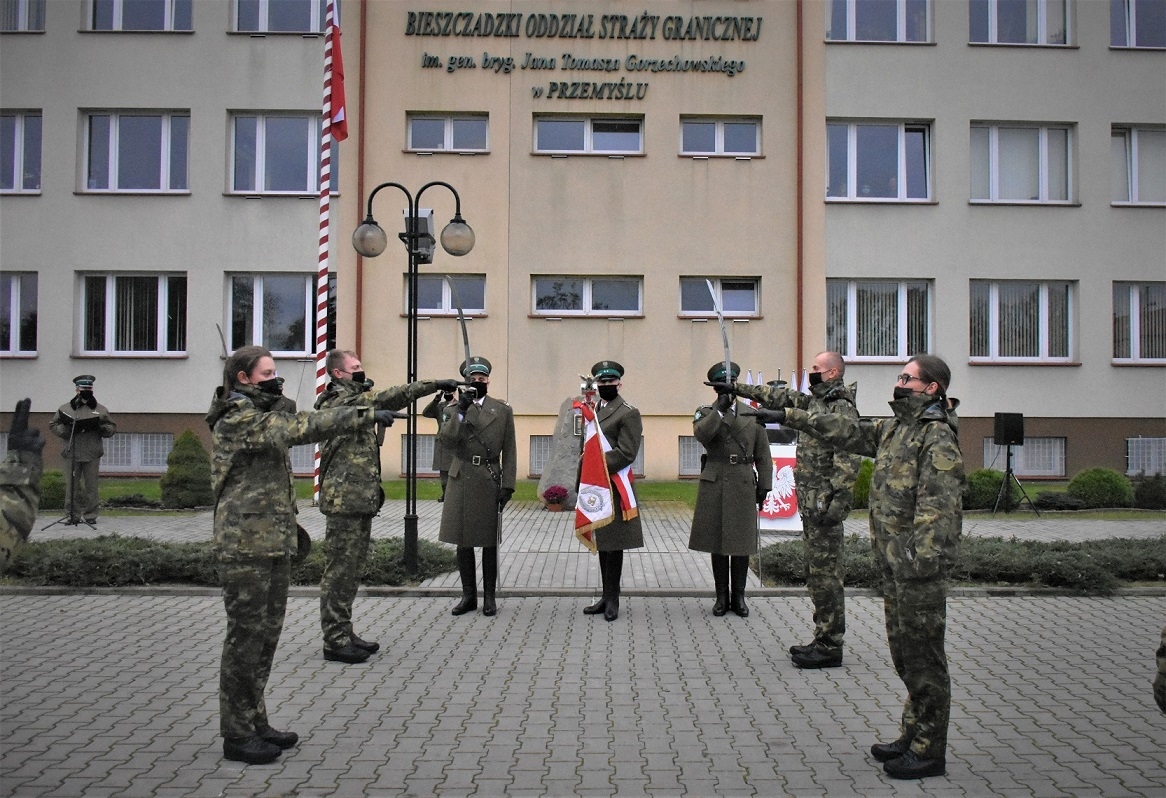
{"points": [[825, 486], [255, 534], [350, 495], [916, 518], [19, 484], [735, 476], [82, 423], [480, 436]]}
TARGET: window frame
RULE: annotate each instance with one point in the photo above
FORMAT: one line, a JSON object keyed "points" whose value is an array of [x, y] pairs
{"points": [[25, 16], [448, 307], [1130, 135], [901, 12], [109, 316], [166, 145], [317, 10], [718, 287], [1128, 27], [11, 348], [448, 121], [20, 151], [1042, 25], [1043, 163], [903, 349], [903, 127], [255, 334], [588, 122], [1134, 309], [259, 145], [170, 11], [993, 323], [587, 297], [718, 150], [1025, 458]]}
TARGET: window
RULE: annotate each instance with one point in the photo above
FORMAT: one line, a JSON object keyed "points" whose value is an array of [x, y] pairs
{"points": [[570, 295], [431, 133], [132, 151], [20, 152], [424, 454], [1015, 320], [690, 452], [878, 319], [1139, 165], [1137, 23], [542, 451], [1145, 456], [704, 136], [1139, 322], [554, 134], [133, 314], [274, 310], [878, 161], [303, 459], [22, 15], [1017, 21], [282, 16], [278, 154], [737, 296], [1038, 457], [1020, 164], [435, 298], [18, 313], [137, 452], [877, 20], [140, 15]]}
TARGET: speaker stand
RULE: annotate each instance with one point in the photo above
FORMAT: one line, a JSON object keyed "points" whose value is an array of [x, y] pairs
{"points": [[1006, 485]]}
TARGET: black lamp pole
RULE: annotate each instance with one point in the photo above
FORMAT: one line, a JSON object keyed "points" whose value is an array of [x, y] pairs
{"points": [[370, 241]]}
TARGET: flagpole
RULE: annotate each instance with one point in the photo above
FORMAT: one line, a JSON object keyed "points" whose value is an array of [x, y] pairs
{"points": [[325, 211]]}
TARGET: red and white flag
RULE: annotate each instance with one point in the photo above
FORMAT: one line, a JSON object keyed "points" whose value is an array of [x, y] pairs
{"points": [[595, 507], [335, 68]]}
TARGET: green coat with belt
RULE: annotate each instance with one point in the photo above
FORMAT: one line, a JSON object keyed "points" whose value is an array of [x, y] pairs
{"points": [[483, 446], [737, 462], [624, 430]]}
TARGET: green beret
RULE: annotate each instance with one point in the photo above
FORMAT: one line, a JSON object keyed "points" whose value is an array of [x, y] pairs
{"points": [[475, 365], [606, 368], [717, 372]]}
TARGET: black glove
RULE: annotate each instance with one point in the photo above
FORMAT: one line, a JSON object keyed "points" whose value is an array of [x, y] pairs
{"points": [[504, 495], [761, 494], [446, 386], [384, 417], [466, 399], [721, 387], [22, 438], [769, 416], [724, 402]]}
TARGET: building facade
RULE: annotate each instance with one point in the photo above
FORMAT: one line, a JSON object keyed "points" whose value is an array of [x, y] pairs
{"points": [[881, 178]]}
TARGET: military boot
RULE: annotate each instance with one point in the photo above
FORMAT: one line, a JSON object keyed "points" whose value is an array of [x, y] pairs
{"points": [[740, 573], [885, 752], [253, 750], [913, 766], [465, 567], [598, 607], [489, 579], [721, 584], [614, 572]]}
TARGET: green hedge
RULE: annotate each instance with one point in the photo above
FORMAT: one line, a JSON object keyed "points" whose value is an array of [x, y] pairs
{"points": [[1102, 487]]}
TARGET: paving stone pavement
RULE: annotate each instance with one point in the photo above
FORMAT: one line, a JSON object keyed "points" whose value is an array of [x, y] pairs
{"points": [[115, 693]]}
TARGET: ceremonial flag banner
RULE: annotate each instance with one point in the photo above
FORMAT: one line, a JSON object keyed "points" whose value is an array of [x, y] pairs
{"points": [[594, 507], [339, 115]]}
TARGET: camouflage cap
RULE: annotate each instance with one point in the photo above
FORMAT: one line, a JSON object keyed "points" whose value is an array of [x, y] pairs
{"points": [[475, 365], [717, 372], [607, 369]]}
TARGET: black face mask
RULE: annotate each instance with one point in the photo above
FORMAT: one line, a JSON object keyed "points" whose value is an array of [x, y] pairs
{"points": [[274, 386], [480, 388], [358, 377], [903, 392], [608, 392], [815, 378]]}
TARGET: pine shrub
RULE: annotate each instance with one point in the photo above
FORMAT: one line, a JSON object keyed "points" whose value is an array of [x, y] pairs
{"points": [[1102, 487], [862, 485], [984, 488], [52, 490], [1150, 492], [187, 481]]}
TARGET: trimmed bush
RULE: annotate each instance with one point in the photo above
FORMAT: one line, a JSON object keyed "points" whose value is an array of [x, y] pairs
{"points": [[52, 490], [862, 485], [187, 481], [1102, 487], [1150, 492], [983, 489], [1053, 500]]}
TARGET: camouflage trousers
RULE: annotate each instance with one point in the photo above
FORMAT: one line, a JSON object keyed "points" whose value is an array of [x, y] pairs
{"points": [[825, 573], [255, 596], [916, 615], [345, 548], [81, 498]]}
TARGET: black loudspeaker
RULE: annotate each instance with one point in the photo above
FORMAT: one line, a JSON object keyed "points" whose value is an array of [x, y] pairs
{"points": [[1009, 430]]}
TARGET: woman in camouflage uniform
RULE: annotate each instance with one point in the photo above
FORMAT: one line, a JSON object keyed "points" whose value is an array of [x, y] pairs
{"points": [[255, 535], [916, 518]]}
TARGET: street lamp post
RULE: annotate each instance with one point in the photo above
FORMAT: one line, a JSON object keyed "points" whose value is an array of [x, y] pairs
{"points": [[370, 241]]}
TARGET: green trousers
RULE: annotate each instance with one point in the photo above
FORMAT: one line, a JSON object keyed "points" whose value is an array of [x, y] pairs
{"points": [[345, 548]]}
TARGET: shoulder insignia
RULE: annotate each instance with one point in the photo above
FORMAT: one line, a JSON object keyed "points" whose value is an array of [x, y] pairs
{"points": [[943, 462]]}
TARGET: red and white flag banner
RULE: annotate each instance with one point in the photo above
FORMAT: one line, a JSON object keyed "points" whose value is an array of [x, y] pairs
{"points": [[594, 508]]}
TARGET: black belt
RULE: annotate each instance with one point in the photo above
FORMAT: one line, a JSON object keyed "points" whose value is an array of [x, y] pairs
{"points": [[731, 459], [478, 460]]}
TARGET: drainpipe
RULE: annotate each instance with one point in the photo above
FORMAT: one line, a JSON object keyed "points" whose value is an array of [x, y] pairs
{"points": [[800, 187], [360, 172]]}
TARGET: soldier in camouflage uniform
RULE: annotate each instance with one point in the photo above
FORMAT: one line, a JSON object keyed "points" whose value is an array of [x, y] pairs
{"points": [[440, 409], [19, 484], [350, 495], [82, 423], [825, 485], [1160, 679], [916, 517], [255, 534], [735, 476]]}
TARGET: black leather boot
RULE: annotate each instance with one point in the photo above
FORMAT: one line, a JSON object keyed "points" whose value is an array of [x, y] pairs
{"points": [[598, 607], [489, 579], [740, 569], [465, 567], [721, 583], [614, 573]]}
